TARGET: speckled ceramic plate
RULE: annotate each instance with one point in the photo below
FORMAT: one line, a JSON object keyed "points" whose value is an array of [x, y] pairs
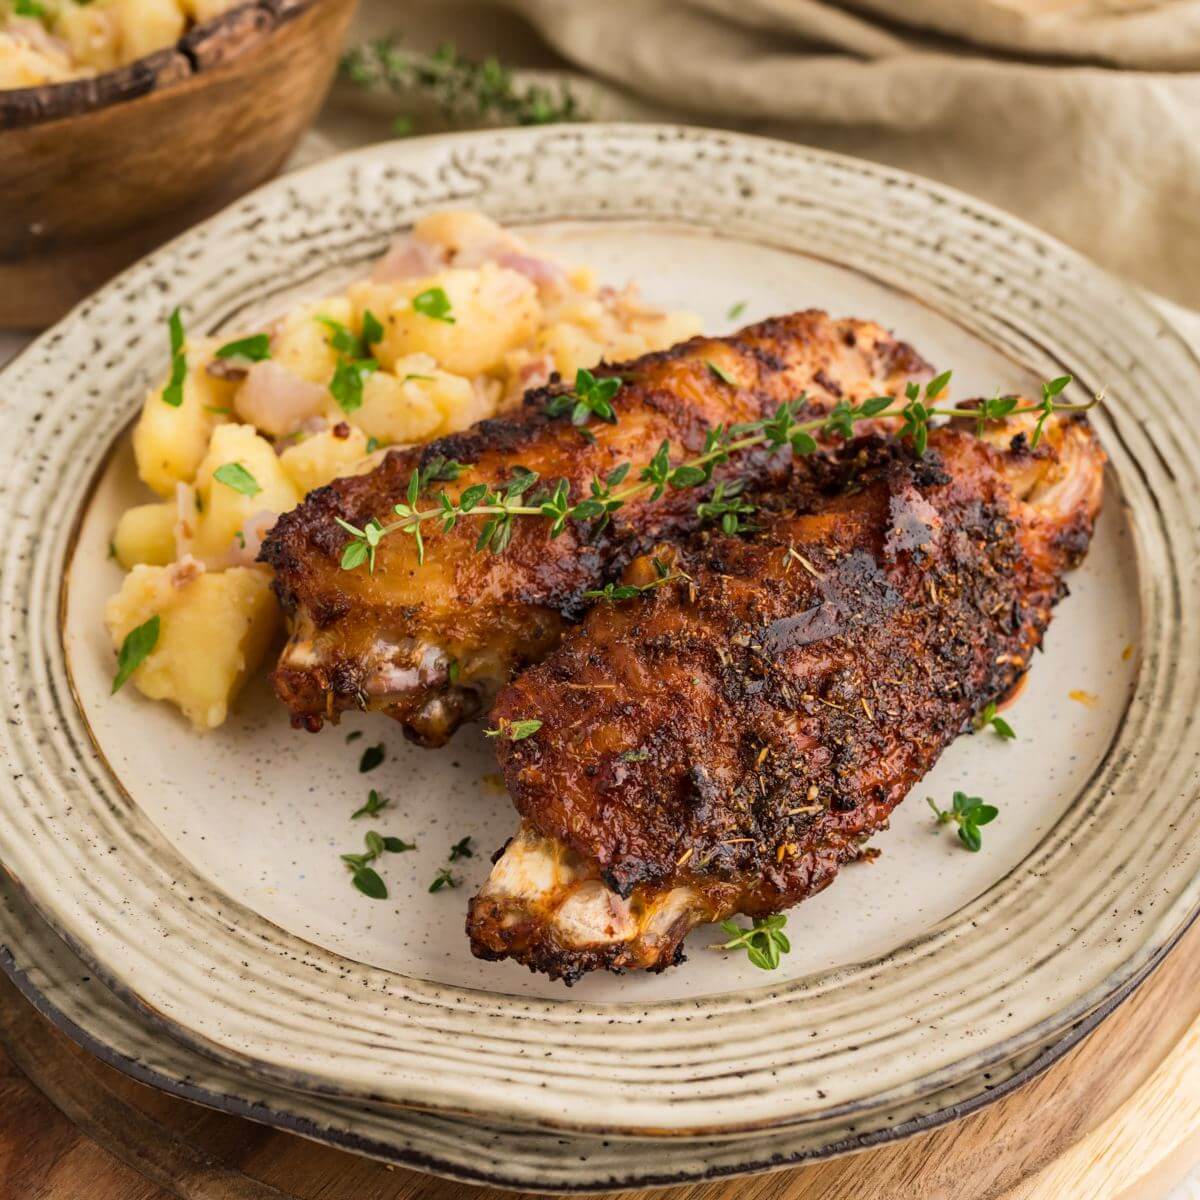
{"points": [[476, 1150], [200, 877]]}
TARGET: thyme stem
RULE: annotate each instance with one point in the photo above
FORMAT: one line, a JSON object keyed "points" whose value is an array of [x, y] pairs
{"points": [[507, 501]]}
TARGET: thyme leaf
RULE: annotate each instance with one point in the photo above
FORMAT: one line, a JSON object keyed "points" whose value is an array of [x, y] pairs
{"points": [[989, 717], [514, 731]]}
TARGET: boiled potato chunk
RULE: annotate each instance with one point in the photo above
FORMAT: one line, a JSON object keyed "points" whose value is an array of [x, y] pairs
{"points": [[214, 630], [457, 230], [92, 34], [148, 25], [146, 534], [493, 309], [224, 510], [417, 403], [204, 10], [302, 342], [322, 458], [169, 442]]}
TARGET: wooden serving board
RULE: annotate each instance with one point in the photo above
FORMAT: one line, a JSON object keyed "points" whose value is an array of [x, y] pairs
{"points": [[1118, 1117]]}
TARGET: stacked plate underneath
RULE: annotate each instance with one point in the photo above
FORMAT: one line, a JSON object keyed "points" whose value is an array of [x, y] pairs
{"points": [[195, 882]]}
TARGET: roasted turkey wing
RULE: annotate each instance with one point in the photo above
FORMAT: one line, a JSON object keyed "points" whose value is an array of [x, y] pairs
{"points": [[429, 645], [721, 744]]}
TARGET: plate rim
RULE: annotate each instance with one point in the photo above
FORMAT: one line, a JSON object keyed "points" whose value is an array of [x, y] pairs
{"points": [[366, 154], [269, 1115]]}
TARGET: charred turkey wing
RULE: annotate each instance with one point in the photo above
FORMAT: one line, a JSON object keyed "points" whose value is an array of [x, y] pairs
{"points": [[724, 743], [430, 645]]}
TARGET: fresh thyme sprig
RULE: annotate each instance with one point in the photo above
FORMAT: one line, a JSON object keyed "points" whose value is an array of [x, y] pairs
{"points": [[785, 428], [968, 813], [611, 593], [462, 89], [764, 942], [589, 397]]}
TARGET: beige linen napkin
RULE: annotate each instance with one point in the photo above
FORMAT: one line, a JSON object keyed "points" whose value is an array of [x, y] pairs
{"points": [[1082, 116]]}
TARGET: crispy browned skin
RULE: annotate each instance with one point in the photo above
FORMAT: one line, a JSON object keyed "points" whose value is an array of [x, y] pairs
{"points": [[387, 641], [724, 744]]}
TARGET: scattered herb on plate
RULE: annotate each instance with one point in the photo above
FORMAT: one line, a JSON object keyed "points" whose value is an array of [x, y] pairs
{"points": [[989, 716], [443, 879], [363, 875], [372, 756], [461, 849], [764, 941], [968, 813], [375, 802]]}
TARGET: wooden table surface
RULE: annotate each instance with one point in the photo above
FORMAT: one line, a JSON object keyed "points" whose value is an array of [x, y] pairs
{"points": [[1118, 1118]]}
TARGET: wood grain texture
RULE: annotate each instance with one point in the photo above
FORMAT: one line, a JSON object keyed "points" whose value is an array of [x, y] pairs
{"points": [[1118, 1116], [83, 195]]}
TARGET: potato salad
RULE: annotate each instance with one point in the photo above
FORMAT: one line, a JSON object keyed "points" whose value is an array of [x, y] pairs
{"points": [[456, 321], [51, 41]]}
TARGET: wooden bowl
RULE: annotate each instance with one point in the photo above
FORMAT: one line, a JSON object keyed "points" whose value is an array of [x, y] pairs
{"points": [[95, 172]]}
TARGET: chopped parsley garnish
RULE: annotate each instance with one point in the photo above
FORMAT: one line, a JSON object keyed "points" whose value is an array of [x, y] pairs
{"points": [[255, 348], [515, 731], [968, 813], [461, 849], [736, 310], [433, 302], [372, 756], [354, 735], [346, 386], [354, 359], [137, 645], [172, 393], [234, 475], [720, 372]]}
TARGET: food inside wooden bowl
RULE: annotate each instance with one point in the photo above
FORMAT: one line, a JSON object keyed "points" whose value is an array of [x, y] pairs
{"points": [[97, 169]]}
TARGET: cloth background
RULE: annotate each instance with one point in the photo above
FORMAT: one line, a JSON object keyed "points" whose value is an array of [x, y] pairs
{"points": [[1082, 116]]}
